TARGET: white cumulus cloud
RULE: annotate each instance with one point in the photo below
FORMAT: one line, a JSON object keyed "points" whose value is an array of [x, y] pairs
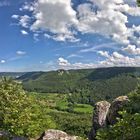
{"points": [[24, 32], [103, 53], [109, 19], [132, 49], [24, 21], [20, 52], [105, 17], [2, 61], [56, 16], [58, 20], [15, 16], [63, 62], [117, 59]]}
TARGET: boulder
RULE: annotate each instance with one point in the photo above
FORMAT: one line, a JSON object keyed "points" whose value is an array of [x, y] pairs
{"points": [[116, 106], [56, 135]]}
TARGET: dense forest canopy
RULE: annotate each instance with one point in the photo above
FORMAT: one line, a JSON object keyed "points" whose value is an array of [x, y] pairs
{"points": [[86, 85]]}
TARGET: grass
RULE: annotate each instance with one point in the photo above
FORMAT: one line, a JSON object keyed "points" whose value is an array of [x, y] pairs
{"points": [[75, 122], [59, 102], [83, 108], [62, 104]]}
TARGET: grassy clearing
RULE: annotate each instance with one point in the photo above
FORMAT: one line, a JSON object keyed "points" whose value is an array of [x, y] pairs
{"points": [[59, 102], [83, 108], [75, 119]]}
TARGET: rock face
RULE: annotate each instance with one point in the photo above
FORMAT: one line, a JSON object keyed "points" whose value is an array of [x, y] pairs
{"points": [[56, 135], [106, 114], [116, 106], [99, 119]]}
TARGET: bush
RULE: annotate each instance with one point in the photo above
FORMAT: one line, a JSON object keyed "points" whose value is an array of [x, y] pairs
{"points": [[74, 124], [21, 114]]}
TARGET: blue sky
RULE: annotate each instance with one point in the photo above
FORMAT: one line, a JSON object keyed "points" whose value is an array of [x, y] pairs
{"points": [[45, 35]]}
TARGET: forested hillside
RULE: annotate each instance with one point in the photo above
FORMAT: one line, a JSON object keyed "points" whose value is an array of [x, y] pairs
{"points": [[86, 85]]}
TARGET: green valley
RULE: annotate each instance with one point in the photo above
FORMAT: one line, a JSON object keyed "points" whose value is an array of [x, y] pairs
{"points": [[86, 85], [62, 100]]}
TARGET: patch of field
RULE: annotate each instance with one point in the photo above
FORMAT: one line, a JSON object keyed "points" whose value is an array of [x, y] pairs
{"points": [[59, 102], [83, 108]]}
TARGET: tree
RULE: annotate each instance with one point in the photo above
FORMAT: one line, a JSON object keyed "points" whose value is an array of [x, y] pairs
{"points": [[21, 114]]}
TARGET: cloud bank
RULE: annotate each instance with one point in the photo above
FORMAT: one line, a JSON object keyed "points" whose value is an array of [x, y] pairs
{"points": [[61, 21], [58, 20]]}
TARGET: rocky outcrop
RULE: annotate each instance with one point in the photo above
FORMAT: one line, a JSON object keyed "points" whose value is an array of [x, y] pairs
{"points": [[100, 114], [116, 106], [105, 114], [99, 118], [56, 135]]}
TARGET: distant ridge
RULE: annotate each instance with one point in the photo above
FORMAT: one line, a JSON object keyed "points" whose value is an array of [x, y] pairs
{"points": [[12, 74], [101, 83]]}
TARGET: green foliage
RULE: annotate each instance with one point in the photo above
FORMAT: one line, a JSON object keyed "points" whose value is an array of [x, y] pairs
{"points": [[75, 119], [21, 114], [134, 103], [74, 124], [83, 108]]}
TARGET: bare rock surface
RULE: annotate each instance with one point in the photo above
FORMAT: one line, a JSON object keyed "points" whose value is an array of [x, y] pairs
{"points": [[56, 135], [99, 118], [100, 114]]}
